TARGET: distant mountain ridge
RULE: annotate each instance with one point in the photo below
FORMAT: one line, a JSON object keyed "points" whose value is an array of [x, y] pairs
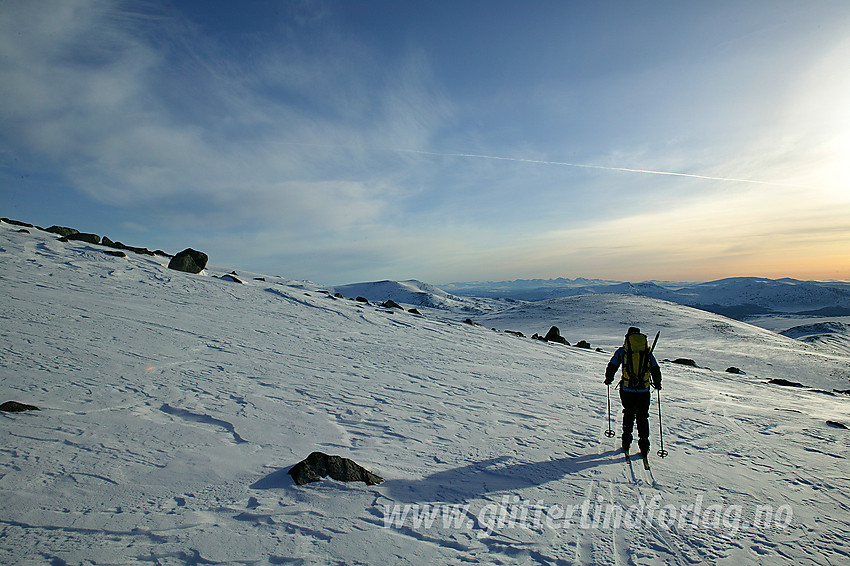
{"points": [[735, 297]]}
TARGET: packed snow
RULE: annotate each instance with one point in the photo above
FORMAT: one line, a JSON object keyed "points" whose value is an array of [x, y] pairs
{"points": [[172, 406]]}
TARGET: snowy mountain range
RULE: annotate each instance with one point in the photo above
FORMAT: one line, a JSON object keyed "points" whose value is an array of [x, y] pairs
{"points": [[172, 406], [736, 297]]}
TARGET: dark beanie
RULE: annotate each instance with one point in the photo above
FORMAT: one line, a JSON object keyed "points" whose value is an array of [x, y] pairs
{"points": [[633, 330]]}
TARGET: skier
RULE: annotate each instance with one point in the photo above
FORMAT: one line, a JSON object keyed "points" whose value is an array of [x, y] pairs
{"points": [[640, 370]]}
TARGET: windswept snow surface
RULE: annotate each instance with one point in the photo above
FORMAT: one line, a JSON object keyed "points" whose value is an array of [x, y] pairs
{"points": [[173, 405]]}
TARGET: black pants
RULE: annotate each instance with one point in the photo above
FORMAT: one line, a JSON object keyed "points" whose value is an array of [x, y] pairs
{"points": [[635, 408]]}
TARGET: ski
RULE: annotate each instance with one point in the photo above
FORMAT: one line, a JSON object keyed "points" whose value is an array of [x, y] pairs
{"points": [[645, 461], [626, 453]]}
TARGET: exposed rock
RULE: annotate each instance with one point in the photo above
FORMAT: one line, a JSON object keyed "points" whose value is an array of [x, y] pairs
{"points": [[362, 300], [259, 278], [339, 295], [471, 322], [685, 362], [15, 407], [415, 311], [107, 242], [554, 335], [143, 251], [189, 260], [318, 465], [785, 383], [229, 277], [82, 237], [515, 333], [583, 344], [733, 369], [116, 253], [391, 304], [61, 230], [162, 253], [837, 425], [17, 222], [23, 231], [844, 391]]}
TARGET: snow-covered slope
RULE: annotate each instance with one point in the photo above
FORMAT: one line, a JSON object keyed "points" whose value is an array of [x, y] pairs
{"points": [[832, 335], [173, 404], [418, 294], [711, 340]]}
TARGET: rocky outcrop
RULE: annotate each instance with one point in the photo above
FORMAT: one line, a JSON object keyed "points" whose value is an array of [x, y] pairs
{"points": [[554, 335], [785, 383], [189, 261], [134, 249], [61, 230], [82, 237], [16, 222], [318, 465]]}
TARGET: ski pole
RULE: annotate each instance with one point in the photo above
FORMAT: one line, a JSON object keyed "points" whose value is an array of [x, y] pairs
{"points": [[609, 433], [662, 453]]}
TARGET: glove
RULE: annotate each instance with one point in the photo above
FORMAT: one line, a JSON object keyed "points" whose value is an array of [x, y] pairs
{"points": [[657, 387], [609, 381]]}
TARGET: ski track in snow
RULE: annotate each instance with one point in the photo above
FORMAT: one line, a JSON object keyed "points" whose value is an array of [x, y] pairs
{"points": [[173, 405]]}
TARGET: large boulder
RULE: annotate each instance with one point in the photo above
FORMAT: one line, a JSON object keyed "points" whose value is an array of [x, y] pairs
{"points": [[189, 260], [554, 335], [15, 407], [318, 465]]}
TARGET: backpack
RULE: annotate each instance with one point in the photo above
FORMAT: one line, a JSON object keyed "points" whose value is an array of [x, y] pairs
{"points": [[636, 363]]}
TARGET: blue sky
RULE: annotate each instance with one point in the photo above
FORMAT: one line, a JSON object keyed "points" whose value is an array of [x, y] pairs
{"points": [[442, 141]]}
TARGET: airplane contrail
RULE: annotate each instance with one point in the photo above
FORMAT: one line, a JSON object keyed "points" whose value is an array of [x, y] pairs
{"points": [[601, 167], [561, 164]]}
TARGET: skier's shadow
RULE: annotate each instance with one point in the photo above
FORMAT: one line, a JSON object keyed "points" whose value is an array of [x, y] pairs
{"points": [[490, 476]]}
